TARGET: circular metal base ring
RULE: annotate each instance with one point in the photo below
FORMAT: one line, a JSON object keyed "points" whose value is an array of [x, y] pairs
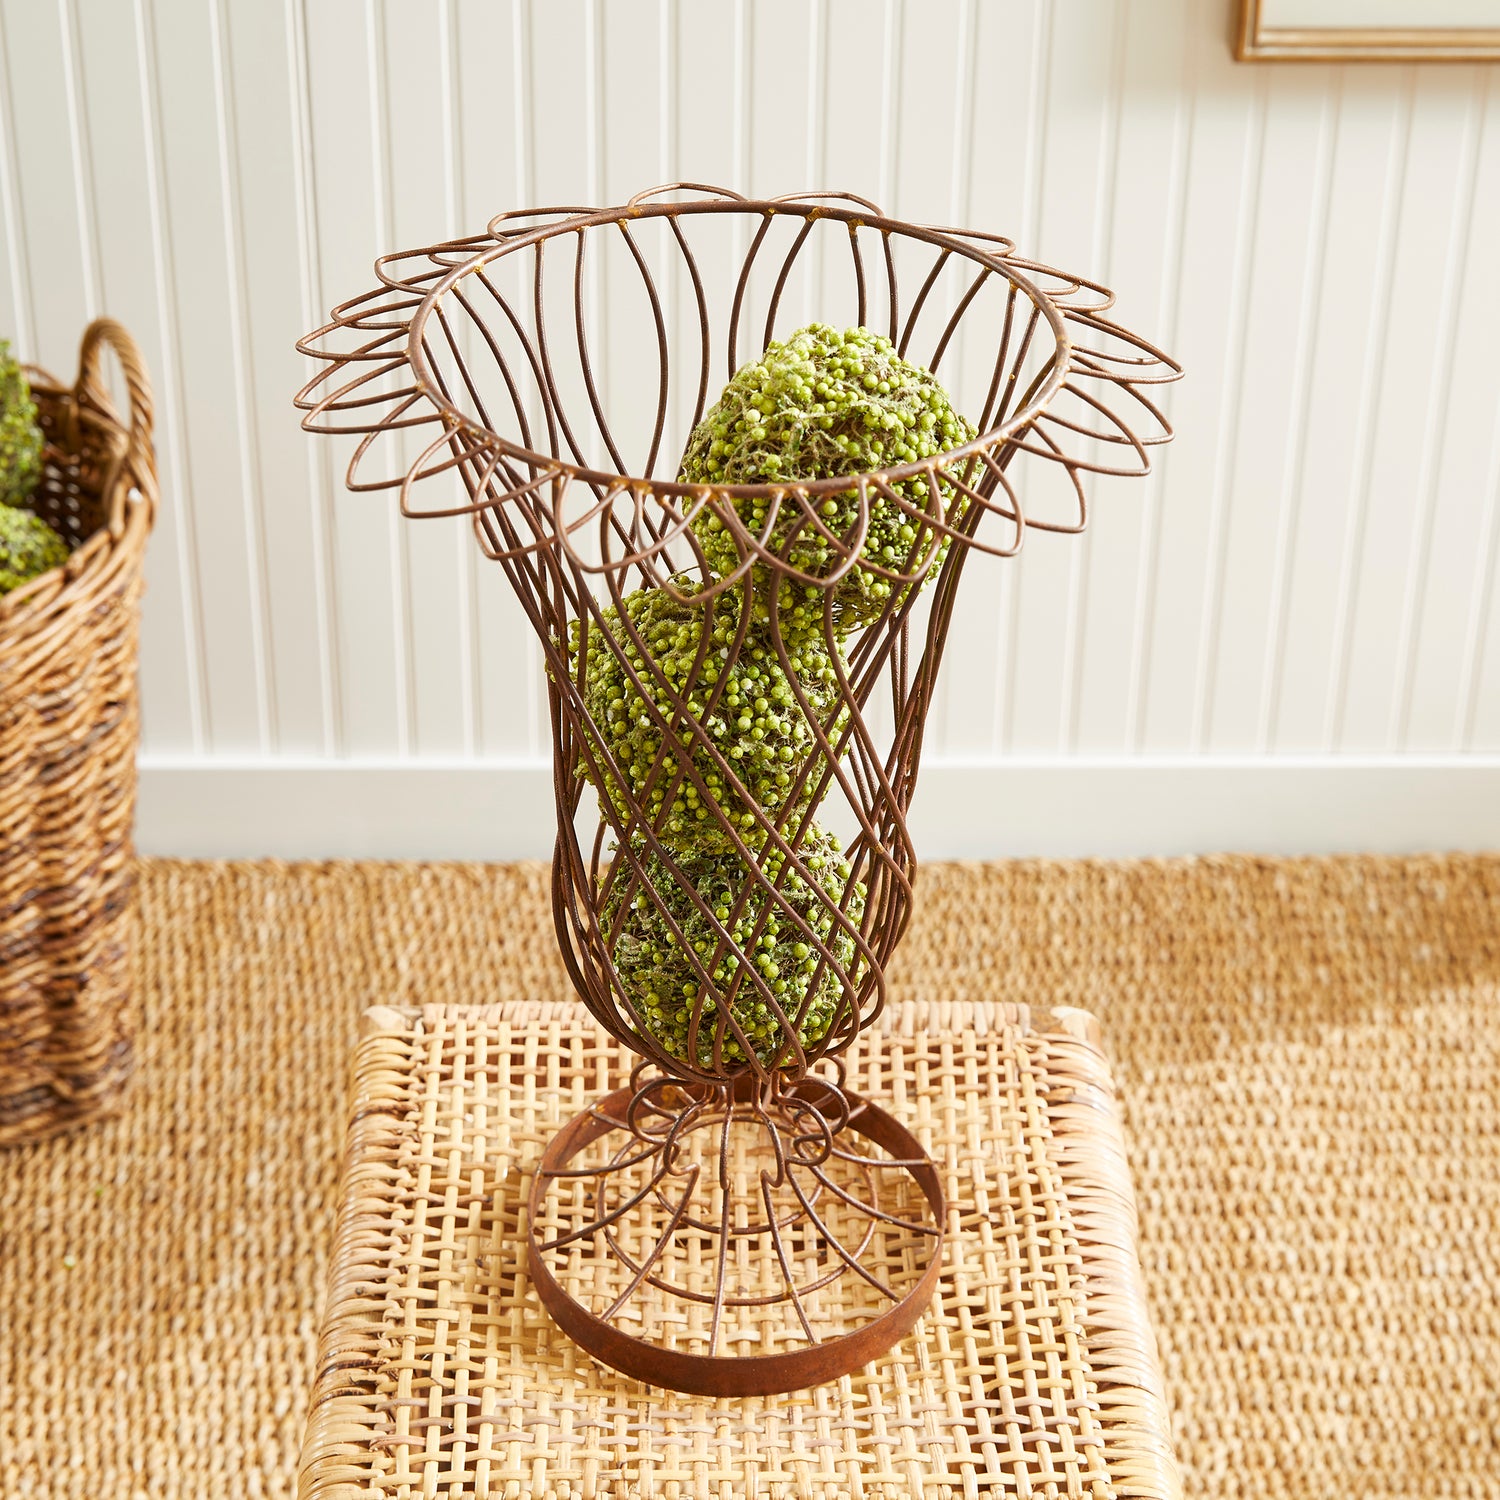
{"points": [[728, 1374]]}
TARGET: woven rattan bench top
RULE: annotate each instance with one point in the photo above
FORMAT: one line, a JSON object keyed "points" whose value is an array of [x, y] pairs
{"points": [[439, 1374]]}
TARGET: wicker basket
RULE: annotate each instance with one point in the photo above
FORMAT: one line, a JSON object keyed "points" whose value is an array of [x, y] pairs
{"points": [[68, 730]]}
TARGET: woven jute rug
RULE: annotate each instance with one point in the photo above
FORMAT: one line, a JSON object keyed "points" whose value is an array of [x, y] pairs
{"points": [[1308, 1052]]}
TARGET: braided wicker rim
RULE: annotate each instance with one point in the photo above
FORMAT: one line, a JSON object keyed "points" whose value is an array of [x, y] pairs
{"points": [[126, 510]]}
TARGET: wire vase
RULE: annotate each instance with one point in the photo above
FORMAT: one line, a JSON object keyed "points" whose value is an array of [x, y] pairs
{"points": [[738, 687]]}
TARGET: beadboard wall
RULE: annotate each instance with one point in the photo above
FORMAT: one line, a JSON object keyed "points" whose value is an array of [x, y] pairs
{"points": [[1285, 639]]}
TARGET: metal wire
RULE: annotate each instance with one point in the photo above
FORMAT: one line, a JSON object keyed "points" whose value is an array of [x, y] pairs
{"points": [[482, 378], [457, 346]]}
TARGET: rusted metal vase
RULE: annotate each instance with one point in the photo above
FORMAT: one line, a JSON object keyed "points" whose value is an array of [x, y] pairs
{"points": [[732, 1220]]}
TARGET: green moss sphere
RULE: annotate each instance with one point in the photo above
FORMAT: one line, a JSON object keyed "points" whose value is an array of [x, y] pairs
{"points": [[755, 722], [660, 981], [20, 437], [821, 405], [28, 547]]}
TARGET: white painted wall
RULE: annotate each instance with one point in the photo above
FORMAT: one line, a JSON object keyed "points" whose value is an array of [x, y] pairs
{"points": [[1304, 586]]}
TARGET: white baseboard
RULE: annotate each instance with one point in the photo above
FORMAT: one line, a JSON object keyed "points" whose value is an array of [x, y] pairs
{"points": [[1074, 808]]}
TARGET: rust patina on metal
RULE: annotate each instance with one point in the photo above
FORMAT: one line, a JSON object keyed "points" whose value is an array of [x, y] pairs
{"points": [[735, 1177]]}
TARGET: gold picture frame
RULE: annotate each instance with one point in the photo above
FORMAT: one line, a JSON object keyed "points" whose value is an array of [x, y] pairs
{"points": [[1271, 31]]}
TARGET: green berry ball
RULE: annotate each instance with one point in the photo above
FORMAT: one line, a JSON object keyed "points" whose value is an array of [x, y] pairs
{"points": [[821, 405], [663, 985], [688, 673], [20, 437], [28, 547]]}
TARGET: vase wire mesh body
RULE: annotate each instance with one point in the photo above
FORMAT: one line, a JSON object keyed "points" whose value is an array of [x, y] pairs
{"points": [[543, 378]]}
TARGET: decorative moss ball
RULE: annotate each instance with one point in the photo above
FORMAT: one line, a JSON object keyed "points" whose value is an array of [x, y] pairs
{"points": [[821, 405], [753, 719], [20, 437], [28, 547], [663, 987]]}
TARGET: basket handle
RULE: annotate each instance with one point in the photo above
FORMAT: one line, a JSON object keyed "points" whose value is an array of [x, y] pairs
{"points": [[139, 458]]}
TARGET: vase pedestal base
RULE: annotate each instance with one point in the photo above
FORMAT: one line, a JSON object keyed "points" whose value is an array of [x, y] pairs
{"points": [[733, 1241]]}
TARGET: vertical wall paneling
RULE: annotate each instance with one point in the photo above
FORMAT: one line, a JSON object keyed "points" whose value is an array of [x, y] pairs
{"points": [[564, 141], [346, 170], [1477, 712], [850, 104], [564, 126], [1150, 153], [1262, 444], [706, 67], [1170, 302], [926, 107], [415, 94], [53, 209], [133, 270], [1075, 150], [781, 108], [1309, 570], [1347, 351], [631, 157], [15, 297], [1237, 294], [1479, 706], [237, 265], [566, 153], [1092, 554], [492, 89], [929, 164], [1370, 386], [311, 501], [1292, 490], [380, 126], [81, 159], [1419, 332], [1029, 147], [1443, 441], [709, 64], [1223, 168], [857, 72], [815, 171], [1009, 43], [1455, 579], [197, 205], [465, 561]]}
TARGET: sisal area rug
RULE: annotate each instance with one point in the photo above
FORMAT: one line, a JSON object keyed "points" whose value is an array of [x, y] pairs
{"points": [[1308, 1051]]}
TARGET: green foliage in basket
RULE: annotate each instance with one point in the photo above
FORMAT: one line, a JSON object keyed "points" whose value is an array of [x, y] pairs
{"points": [[774, 933], [745, 702], [28, 547], [20, 437], [821, 405]]}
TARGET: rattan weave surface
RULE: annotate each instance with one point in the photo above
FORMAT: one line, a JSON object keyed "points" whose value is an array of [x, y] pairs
{"points": [[1307, 1051], [1035, 1371]]}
